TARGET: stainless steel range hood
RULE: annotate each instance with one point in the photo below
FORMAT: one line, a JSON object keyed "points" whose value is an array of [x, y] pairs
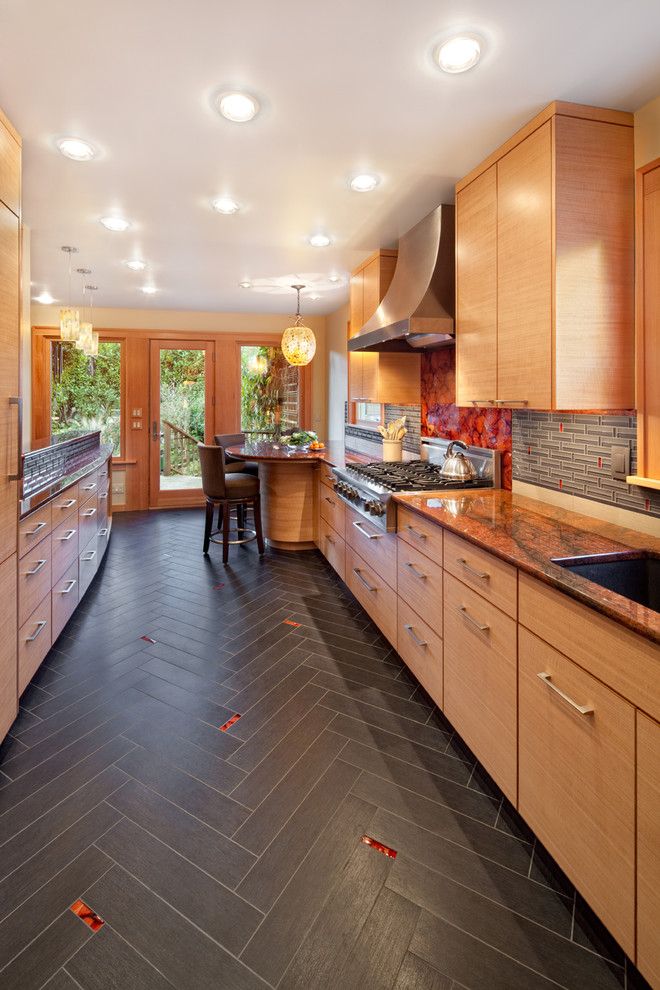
{"points": [[418, 308]]}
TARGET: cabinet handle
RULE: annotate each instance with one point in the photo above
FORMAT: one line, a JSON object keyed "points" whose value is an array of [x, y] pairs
{"points": [[582, 709], [68, 504], [479, 625], [104, 531], [417, 532], [329, 539], [369, 536], [511, 402], [35, 570], [411, 632], [418, 574], [90, 556], [67, 536], [356, 570], [328, 499], [37, 528], [484, 575], [72, 583], [15, 400], [41, 625], [89, 488], [103, 494], [483, 402], [90, 512]]}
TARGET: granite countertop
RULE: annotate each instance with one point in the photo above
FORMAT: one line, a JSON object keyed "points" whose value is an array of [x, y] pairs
{"points": [[266, 450], [45, 494], [528, 533]]}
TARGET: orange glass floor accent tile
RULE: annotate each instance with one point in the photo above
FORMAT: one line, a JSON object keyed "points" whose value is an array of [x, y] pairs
{"points": [[378, 846], [148, 639], [290, 622], [234, 718], [87, 916]]}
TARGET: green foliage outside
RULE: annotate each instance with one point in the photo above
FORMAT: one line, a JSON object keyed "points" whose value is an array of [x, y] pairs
{"points": [[88, 393], [263, 375], [182, 403]]}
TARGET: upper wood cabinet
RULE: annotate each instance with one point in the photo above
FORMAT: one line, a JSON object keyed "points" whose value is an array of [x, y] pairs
{"points": [[544, 251], [10, 166], [378, 377]]}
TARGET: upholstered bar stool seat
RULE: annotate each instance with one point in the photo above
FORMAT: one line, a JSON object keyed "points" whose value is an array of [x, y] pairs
{"points": [[226, 489]]}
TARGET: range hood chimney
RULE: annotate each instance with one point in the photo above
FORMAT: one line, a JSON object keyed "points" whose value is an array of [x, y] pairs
{"points": [[418, 308]]}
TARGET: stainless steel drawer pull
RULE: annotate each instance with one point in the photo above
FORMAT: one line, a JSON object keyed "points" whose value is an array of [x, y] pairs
{"points": [[418, 574], [328, 499], [104, 531], [103, 494], [417, 533], [369, 536], [37, 529], [483, 402], [582, 709], [67, 536], [70, 502], [89, 488], [482, 627], [72, 583], [41, 625], [483, 575], [411, 632], [89, 556], [35, 570], [329, 539], [369, 587], [89, 512], [511, 402]]}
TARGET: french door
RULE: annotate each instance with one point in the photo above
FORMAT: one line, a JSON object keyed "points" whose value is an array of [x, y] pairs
{"points": [[181, 416]]}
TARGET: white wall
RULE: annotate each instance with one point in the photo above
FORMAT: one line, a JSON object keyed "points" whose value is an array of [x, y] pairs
{"points": [[337, 373]]}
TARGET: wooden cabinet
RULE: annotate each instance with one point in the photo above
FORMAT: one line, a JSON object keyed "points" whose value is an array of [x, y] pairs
{"points": [[34, 641], [648, 848], [373, 593], [374, 545], [8, 668], [333, 548], [544, 272], [492, 578], [419, 584], [10, 166], [420, 647]]}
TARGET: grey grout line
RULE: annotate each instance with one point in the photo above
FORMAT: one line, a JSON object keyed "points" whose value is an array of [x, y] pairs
{"points": [[65, 970]]}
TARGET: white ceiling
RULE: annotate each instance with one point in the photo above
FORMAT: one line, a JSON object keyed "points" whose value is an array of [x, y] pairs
{"points": [[343, 86]]}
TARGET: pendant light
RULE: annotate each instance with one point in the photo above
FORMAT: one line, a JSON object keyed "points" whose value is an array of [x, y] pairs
{"points": [[69, 317], [84, 340], [93, 348], [298, 341]]}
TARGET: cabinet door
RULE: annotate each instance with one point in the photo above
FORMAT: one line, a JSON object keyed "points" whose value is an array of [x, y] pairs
{"points": [[8, 661], [370, 378], [371, 292], [355, 375], [524, 280], [9, 337], [577, 779], [476, 290], [10, 169], [356, 303], [648, 848]]}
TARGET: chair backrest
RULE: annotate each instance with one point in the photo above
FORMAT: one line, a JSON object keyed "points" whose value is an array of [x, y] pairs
{"points": [[212, 460], [228, 439]]}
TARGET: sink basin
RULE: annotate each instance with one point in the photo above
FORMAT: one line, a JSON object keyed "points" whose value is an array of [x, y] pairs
{"points": [[635, 576]]}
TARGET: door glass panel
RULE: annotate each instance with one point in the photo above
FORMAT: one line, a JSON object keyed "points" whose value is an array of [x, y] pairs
{"points": [[86, 391], [182, 416], [270, 391]]}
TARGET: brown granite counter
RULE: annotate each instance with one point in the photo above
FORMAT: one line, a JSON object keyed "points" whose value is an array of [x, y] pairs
{"points": [[529, 534], [268, 450]]}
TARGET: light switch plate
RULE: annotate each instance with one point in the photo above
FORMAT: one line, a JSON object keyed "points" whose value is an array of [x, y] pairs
{"points": [[620, 462]]}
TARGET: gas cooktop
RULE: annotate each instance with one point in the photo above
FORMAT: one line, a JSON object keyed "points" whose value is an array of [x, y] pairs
{"points": [[408, 476]]}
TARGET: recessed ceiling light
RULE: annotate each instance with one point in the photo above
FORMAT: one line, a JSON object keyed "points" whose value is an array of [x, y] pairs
{"points": [[319, 240], [135, 264], [334, 278], [314, 295], [77, 149], [115, 223], [238, 107], [364, 182], [149, 290], [458, 54], [45, 298], [245, 284], [225, 204]]}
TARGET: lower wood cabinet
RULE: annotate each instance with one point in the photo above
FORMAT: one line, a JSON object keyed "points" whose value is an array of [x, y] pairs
{"points": [[419, 583], [34, 578], [373, 593], [577, 779], [376, 547], [333, 547], [65, 598], [8, 679], [88, 563], [35, 638], [648, 848], [420, 647], [331, 508]]}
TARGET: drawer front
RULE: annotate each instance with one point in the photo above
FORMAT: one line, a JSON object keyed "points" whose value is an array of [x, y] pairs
{"points": [[34, 642], [420, 533], [373, 593], [88, 487], [34, 578], [333, 547], [65, 598], [419, 584], [648, 848], [420, 647], [65, 504], [480, 680], [33, 528], [577, 779], [626, 662], [88, 519], [65, 540], [88, 563], [103, 498], [377, 548], [103, 538], [494, 579], [332, 509], [326, 475]]}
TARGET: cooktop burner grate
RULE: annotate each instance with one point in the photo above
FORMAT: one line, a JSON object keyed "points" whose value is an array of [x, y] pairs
{"points": [[408, 476]]}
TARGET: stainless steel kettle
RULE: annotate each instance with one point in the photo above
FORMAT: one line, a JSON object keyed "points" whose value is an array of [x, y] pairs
{"points": [[456, 466]]}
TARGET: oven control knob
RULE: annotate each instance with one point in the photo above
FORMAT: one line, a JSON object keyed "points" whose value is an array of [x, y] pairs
{"points": [[377, 508]]}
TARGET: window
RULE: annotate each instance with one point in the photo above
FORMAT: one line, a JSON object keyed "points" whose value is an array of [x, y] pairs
{"points": [[86, 392], [368, 412], [270, 391]]}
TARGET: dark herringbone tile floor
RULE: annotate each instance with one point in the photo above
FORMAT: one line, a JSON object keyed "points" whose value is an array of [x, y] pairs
{"points": [[233, 859]]}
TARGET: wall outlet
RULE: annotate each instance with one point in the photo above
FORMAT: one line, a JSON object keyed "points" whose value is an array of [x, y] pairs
{"points": [[620, 462]]}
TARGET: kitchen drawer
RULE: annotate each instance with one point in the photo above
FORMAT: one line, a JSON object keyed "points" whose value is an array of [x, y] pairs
{"points": [[419, 584], [103, 497], [420, 533], [577, 779], [376, 547], [494, 579], [88, 487], [103, 538], [33, 528], [65, 598], [372, 592], [34, 578], [65, 545], [34, 642], [88, 563], [420, 647], [88, 519], [332, 509], [333, 547], [481, 680], [648, 848], [326, 475], [628, 663], [66, 503]]}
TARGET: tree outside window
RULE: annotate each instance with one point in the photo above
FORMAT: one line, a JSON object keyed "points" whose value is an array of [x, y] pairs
{"points": [[86, 392], [270, 391]]}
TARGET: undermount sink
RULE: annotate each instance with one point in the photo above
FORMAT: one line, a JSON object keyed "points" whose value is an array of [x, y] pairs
{"points": [[635, 576]]}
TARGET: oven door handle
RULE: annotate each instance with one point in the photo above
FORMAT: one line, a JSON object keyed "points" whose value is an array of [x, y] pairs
{"points": [[369, 536]]}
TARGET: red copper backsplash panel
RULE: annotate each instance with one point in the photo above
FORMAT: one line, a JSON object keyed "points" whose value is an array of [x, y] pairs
{"points": [[442, 418]]}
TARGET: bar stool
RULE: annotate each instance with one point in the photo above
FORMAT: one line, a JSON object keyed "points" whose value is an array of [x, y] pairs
{"points": [[233, 463], [226, 489]]}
